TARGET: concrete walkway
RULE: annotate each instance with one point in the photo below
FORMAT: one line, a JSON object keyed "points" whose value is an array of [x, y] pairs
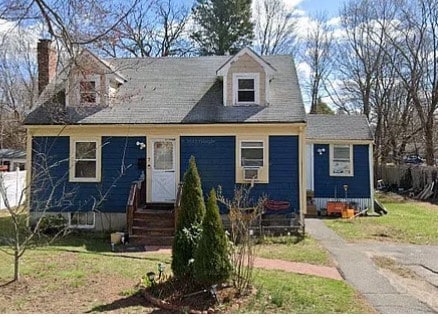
{"points": [[359, 270]]}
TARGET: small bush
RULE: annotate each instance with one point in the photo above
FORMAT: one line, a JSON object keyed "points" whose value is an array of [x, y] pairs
{"points": [[190, 217], [212, 262], [52, 224]]}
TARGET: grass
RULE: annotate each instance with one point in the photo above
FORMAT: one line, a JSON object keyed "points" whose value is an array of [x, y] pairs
{"points": [[407, 221], [280, 292], [290, 248], [79, 274]]}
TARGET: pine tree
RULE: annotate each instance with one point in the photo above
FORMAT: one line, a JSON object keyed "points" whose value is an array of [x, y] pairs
{"points": [[189, 221], [223, 26], [212, 262]]}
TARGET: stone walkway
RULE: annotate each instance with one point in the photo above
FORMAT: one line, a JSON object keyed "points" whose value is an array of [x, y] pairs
{"points": [[359, 271]]}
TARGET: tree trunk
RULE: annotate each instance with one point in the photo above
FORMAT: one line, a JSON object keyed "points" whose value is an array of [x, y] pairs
{"points": [[16, 265], [430, 151]]}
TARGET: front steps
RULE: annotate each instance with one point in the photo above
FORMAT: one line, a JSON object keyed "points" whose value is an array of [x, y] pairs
{"points": [[153, 227]]}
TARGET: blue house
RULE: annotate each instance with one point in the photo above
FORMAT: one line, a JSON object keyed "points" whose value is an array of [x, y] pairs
{"points": [[339, 155], [103, 124]]}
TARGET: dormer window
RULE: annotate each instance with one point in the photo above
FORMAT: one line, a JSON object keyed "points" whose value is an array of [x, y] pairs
{"points": [[246, 88], [88, 92]]}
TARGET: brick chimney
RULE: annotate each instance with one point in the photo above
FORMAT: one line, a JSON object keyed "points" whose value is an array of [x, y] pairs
{"points": [[47, 61]]}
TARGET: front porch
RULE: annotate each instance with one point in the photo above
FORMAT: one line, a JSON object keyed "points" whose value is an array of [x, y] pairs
{"points": [[153, 224]]}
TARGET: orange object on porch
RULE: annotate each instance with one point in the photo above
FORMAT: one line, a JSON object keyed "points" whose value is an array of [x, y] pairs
{"points": [[336, 207], [348, 213]]}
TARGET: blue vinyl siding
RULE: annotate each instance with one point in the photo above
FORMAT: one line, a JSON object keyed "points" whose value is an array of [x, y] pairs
{"points": [[119, 169], [215, 158], [358, 185], [50, 165], [284, 181]]}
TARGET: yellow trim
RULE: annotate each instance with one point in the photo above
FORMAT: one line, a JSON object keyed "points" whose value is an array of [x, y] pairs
{"points": [[71, 176], [264, 170], [331, 153], [167, 129], [302, 174], [28, 167], [329, 141]]}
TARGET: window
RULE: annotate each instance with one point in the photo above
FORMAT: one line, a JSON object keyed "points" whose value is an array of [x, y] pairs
{"points": [[246, 88], [81, 220], [252, 160], [251, 154], [88, 92], [85, 160], [341, 160]]}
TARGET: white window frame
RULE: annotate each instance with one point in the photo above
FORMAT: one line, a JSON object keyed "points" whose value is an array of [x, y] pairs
{"points": [[96, 80], [256, 78], [263, 171], [72, 176], [332, 162], [79, 226]]}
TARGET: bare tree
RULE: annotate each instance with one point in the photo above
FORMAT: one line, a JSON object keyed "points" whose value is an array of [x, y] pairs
{"points": [[51, 192], [152, 29], [17, 86], [21, 235], [416, 43], [274, 28], [317, 55], [361, 54], [71, 23]]}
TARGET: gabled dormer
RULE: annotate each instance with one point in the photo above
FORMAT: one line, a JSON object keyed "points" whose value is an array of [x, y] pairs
{"points": [[91, 81], [246, 78]]}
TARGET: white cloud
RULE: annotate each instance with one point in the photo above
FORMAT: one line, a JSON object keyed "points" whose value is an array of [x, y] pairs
{"points": [[17, 40], [292, 4]]}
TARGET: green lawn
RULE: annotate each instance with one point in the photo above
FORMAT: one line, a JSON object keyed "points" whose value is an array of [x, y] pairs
{"points": [[289, 293], [407, 222], [80, 274], [290, 248]]}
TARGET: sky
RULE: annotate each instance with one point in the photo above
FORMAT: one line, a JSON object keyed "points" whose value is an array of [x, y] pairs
{"points": [[331, 7]]}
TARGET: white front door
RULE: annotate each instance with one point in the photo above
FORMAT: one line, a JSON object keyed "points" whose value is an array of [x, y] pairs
{"points": [[163, 170]]}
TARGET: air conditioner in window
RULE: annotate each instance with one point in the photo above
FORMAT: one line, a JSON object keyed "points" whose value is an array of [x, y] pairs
{"points": [[251, 173]]}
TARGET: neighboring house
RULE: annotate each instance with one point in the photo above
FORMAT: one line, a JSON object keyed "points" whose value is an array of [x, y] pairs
{"points": [[103, 124], [12, 159], [340, 159]]}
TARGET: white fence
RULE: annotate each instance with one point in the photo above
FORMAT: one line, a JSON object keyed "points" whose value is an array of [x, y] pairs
{"points": [[13, 184]]}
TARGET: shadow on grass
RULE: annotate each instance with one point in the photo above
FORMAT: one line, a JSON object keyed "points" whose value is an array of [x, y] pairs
{"points": [[135, 299], [7, 283], [113, 255]]}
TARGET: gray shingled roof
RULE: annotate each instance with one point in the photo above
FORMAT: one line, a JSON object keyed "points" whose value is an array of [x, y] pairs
{"points": [[338, 127], [181, 90]]}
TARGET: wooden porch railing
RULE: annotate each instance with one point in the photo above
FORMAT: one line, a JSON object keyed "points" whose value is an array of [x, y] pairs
{"points": [[178, 202], [132, 205]]}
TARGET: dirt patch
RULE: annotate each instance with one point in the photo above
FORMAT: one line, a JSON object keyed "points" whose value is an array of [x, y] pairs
{"points": [[176, 296], [99, 294]]}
